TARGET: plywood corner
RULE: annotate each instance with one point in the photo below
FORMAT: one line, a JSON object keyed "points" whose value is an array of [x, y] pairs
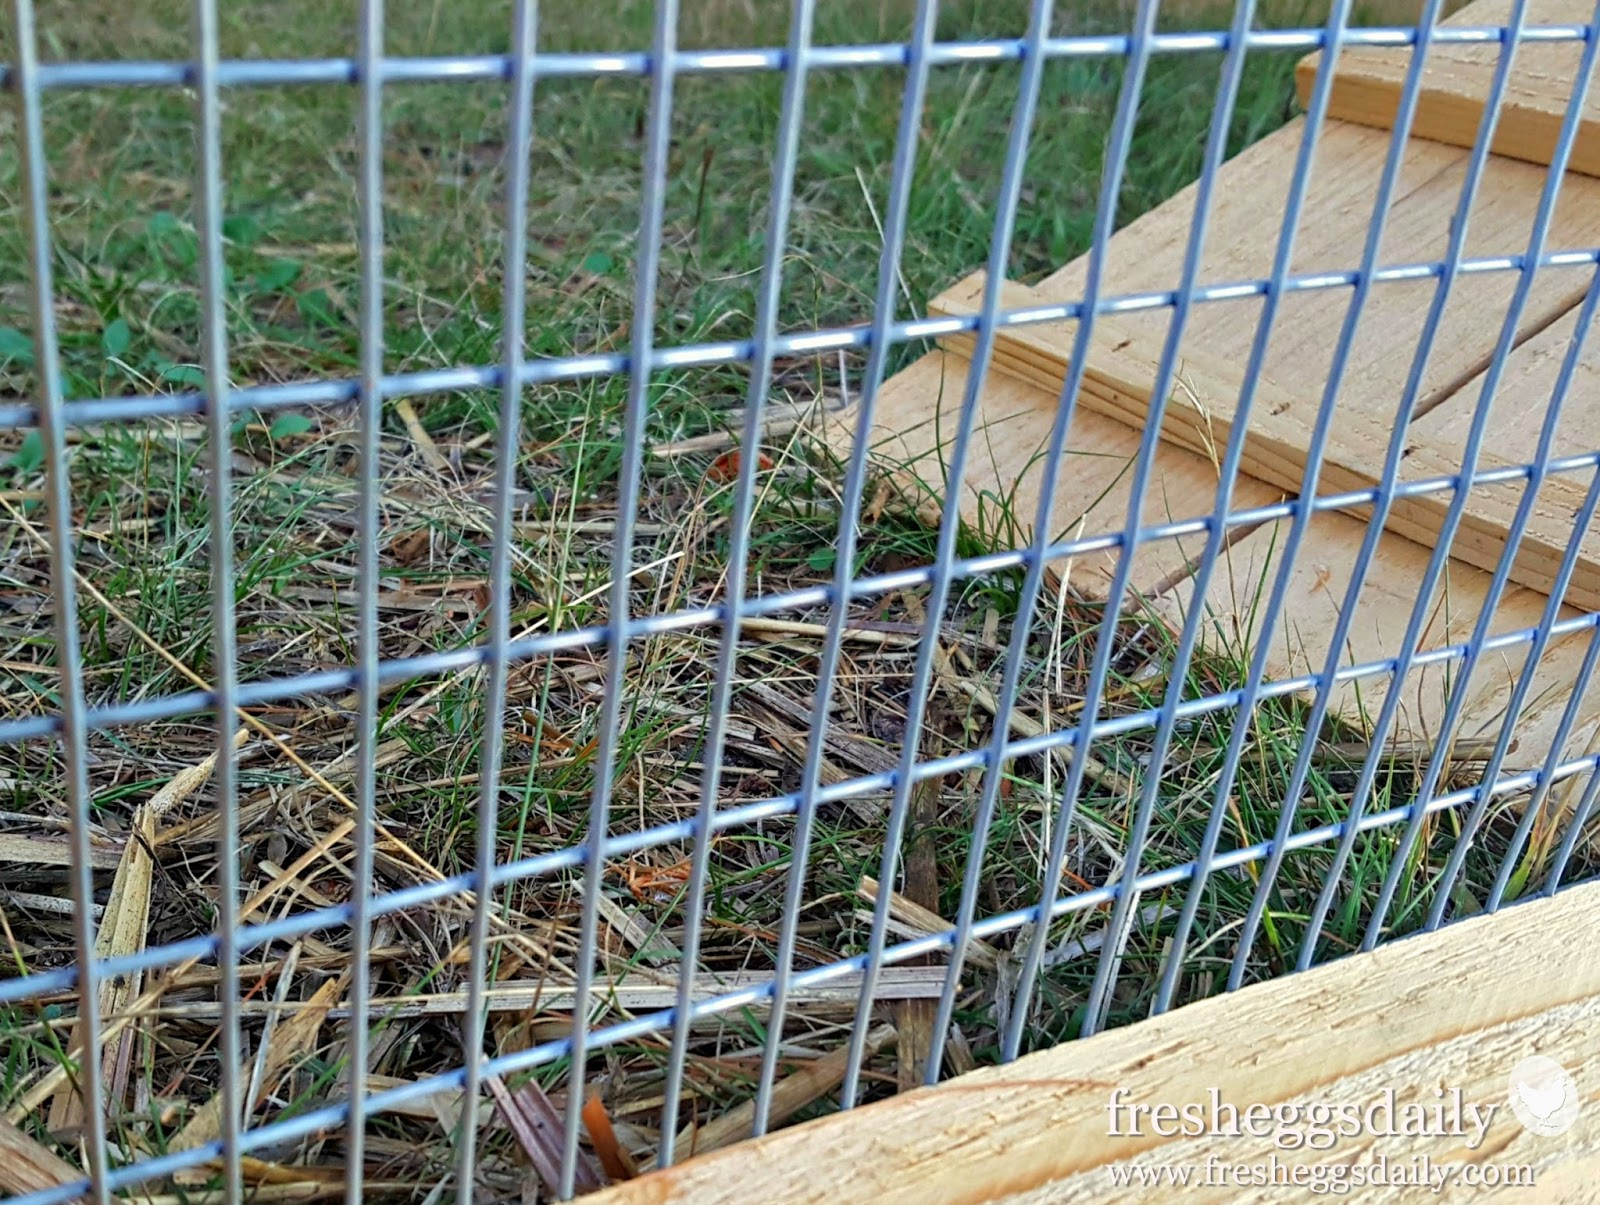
{"points": [[1457, 80]]}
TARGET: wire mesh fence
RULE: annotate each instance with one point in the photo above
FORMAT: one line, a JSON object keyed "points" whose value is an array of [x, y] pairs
{"points": [[624, 810]]}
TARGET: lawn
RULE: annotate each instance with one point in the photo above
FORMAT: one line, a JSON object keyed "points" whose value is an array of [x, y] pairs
{"points": [[129, 309]]}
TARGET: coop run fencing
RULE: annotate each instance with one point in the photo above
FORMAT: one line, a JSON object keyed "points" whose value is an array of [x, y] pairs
{"points": [[545, 789]]}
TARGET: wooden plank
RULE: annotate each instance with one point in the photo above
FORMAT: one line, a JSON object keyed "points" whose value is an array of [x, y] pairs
{"points": [[911, 438], [1120, 377], [914, 429], [1147, 256], [1316, 591], [1093, 499], [1525, 393], [1420, 1018], [1456, 81], [1315, 595], [1118, 381], [1517, 413]]}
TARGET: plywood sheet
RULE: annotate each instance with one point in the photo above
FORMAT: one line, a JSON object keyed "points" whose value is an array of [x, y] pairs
{"points": [[1147, 256], [1120, 378], [1456, 81], [915, 422]]}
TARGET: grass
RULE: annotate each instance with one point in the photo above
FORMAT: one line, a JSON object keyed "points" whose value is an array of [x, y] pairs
{"points": [[128, 309]]}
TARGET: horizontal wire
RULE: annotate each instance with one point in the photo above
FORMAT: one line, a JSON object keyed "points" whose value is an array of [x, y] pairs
{"points": [[332, 1116], [254, 936], [334, 391], [400, 670], [497, 68]]}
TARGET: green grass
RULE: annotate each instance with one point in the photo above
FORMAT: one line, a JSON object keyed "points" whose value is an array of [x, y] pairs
{"points": [[128, 309]]}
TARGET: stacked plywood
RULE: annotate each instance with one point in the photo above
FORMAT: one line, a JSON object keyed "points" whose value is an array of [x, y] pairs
{"points": [[917, 409]]}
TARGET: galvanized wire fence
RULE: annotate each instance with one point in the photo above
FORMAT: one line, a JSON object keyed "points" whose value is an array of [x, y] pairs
{"points": [[348, 1105]]}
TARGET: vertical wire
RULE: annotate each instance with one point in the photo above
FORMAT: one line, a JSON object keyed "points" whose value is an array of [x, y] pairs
{"points": [[69, 662], [369, 423], [225, 668], [878, 350], [1461, 689], [1033, 64], [1469, 464], [1586, 805], [1294, 204], [1569, 717], [1012, 177], [1374, 533], [618, 622], [1117, 149], [785, 156], [1216, 539], [519, 139]]}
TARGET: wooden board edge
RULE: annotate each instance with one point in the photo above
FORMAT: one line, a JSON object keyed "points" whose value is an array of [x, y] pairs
{"points": [[1118, 384], [1004, 1132], [1364, 95], [1480, 536]]}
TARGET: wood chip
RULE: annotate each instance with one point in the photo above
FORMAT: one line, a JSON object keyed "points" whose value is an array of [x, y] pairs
{"points": [[789, 1096], [26, 1166], [38, 850], [541, 1131], [835, 997]]}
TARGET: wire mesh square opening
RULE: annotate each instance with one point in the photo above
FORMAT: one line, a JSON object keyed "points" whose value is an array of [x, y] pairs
{"points": [[579, 587]]}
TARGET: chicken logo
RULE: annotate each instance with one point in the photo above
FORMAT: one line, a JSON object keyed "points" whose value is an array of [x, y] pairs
{"points": [[1543, 1096]]}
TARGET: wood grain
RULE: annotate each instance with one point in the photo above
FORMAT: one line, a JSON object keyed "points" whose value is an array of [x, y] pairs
{"points": [[26, 1166], [1241, 236], [917, 408], [1458, 1008], [1368, 81], [1201, 415], [1118, 383], [914, 430], [1147, 256]]}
